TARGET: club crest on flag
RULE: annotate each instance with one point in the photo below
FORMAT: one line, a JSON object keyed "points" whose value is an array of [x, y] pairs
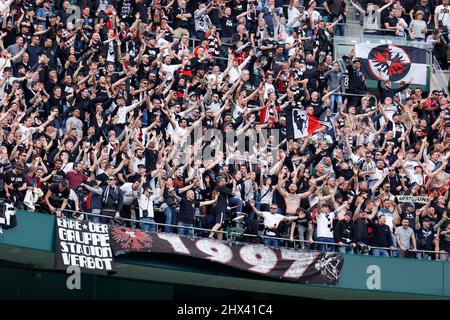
{"points": [[393, 62], [131, 239], [389, 62]]}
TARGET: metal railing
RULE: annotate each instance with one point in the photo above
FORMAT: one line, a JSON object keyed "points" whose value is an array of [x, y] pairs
{"points": [[380, 37], [440, 77], [231, 235]]}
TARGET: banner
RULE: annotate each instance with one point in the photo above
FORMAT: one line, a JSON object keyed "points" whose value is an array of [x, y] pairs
{"points": [[8, 219], [414, 199], [392, 62], [280, 263], [83, 244], [302, 123]]}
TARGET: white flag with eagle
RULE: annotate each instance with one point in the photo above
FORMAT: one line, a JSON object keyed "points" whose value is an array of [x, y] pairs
{"points": [[392, 62]]}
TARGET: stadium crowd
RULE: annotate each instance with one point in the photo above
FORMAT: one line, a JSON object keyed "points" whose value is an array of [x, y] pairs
{"points": [[108, 113]]}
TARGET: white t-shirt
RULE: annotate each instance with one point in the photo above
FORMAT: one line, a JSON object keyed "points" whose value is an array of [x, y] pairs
{"points": [[377, 175], [111, 57], [68, 167], [234, 74], [355, 158], [178, 134], [237, 111], [290, 40], [419, 179], [25, 133], [315, 15], [269, 88], [292, 14], [409, 166], [417, 28], [135, 162], [372, 20], [271, 221], [266, 195], [443, 14], [146, 203], [170, 69], [129, 195], [123, 111], [325, 224]]}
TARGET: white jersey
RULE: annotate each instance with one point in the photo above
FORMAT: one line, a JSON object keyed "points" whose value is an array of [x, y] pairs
{"points": [[325, 225]]}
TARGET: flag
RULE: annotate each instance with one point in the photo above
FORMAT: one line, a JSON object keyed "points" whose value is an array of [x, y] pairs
{"points": [[266, 114], [302, 124], [392, 62], [8, 219]]}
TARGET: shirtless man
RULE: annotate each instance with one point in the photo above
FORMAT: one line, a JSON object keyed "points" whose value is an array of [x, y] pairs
{"points": [[292, 198]]}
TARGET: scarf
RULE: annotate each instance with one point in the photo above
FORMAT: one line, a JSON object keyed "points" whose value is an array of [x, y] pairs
{"points": [[114, 194]]}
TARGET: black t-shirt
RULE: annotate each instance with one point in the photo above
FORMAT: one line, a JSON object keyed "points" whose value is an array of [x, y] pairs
{"points": [[214, 15], [58, 195], [208, 123], [238, 8], [411, 218], [17, 180], [187, 210], [126, 9], [266, 43], [304, 221], [222, 201], [336, 7], [391, 21], [151, 157], [152, 52], [103, 178], [424, 9], [439, 210], [58, 176], [228, 27], [181, 23], [408, 5]]}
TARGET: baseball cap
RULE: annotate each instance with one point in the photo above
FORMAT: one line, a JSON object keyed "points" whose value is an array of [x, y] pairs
{"points": [[348, 213], [310, 2]]}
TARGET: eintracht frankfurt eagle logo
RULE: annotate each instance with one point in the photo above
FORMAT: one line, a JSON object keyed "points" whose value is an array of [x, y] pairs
{"points": [[389, 62]]}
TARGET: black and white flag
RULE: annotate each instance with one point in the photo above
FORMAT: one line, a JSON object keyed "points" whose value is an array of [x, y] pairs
{"points": [[392, 62], [83, 244]]}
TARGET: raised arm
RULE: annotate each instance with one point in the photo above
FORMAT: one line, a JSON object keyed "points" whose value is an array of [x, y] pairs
{"points": [[357, 7], [252, 205]]}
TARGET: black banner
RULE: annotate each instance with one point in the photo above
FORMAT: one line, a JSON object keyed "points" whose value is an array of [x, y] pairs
{"points": [[83, 244], [280, 263]]}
